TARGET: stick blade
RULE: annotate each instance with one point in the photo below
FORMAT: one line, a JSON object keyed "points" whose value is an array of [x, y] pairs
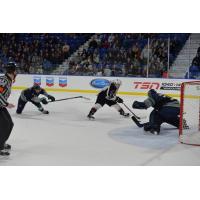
{"points": [[137, 122], [86, 98]]}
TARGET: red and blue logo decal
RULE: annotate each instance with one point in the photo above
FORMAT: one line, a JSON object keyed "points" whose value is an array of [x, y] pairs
{"points": [[62, 81], [36, 80], [49, 81]]}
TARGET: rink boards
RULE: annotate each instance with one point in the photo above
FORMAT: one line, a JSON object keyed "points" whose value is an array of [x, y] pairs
{"points": [[88, 84]]}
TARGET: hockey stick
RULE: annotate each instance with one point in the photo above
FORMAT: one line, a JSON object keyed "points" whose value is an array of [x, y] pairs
{"points": [[135, 118], [137, 122], [69, 98], [131, 111]]}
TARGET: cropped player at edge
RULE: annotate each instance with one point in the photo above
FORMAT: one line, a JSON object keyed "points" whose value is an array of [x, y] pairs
{"points": [[108, 96], [166, 110], [6, 123], [32, 95]]}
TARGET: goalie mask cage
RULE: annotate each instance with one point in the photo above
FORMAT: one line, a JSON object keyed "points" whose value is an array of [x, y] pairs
{"points": [[189, 130]]}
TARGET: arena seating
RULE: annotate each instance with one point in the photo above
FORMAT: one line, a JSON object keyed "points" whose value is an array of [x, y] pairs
{"points": [[107, 54], [39, 53]]}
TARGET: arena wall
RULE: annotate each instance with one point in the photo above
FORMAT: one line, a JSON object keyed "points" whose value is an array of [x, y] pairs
{"points": [[88, 84]]}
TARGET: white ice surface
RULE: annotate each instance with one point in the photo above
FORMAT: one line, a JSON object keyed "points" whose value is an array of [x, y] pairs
{"points": [[67, 137]]}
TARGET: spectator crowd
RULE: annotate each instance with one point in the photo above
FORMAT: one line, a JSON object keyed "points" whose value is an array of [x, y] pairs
{"points": [[114, 54], [124, 54], [37, 53]]}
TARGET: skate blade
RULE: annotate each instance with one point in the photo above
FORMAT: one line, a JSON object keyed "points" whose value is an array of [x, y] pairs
{"points": [[92, 119]]}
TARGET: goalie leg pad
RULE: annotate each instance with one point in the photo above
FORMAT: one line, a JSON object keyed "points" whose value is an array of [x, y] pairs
{"points": [[170, 115]]}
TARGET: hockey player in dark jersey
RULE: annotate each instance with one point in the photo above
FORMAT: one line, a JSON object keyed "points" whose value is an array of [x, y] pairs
{"points": [[108, 96], [166, 110], [6, 123], [31, 95]]}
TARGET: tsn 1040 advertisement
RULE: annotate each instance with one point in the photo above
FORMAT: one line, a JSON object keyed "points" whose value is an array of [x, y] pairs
{"points": [[157, 85], [140, 84]]}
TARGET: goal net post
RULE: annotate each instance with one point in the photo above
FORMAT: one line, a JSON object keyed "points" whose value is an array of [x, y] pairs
{"points": [[189, 130]]}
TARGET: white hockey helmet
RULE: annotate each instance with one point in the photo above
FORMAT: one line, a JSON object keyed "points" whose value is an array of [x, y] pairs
{"points": [[117, 82]]}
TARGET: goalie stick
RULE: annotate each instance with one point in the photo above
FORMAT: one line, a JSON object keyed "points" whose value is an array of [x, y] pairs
{"points": [[69, 98]]}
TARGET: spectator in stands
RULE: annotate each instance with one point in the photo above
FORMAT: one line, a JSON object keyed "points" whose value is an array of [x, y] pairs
{"points": [[93, 44], [65, 51], [146, 52], [196, 60], [99, 72], [107, 71], [198, 50]]}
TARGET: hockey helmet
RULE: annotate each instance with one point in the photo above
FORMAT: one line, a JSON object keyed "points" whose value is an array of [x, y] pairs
{"points": [[11, 67], [117, 82], [36, 87], [151, 92]]}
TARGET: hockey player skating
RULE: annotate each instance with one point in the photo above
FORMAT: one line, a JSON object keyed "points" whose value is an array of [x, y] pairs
{"points": [[108, 96], [32, 95], [6, 123], [166, 110]]}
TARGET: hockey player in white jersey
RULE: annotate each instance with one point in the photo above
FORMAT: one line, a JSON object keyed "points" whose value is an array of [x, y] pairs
{"points": [[108, 96]]}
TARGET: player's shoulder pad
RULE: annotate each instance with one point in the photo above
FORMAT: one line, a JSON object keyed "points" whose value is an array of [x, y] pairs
{"points": [[3, 80]]}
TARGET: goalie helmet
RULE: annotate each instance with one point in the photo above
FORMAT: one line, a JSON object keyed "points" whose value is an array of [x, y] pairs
{"points": [[117, 82]]}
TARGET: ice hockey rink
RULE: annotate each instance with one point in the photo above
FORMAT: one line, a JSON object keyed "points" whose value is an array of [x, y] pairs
{"points": [[66, 137]]}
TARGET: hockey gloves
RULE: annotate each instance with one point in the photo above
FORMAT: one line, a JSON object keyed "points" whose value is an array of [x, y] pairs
{"points": [[119, 100], [41, 109], [51, 98], [43, 100], [139, 105]]}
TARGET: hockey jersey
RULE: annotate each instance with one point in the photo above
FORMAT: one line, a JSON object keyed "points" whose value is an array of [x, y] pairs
{"points": [[110, 92], [5, 89], [157, 100], [30, 94]]}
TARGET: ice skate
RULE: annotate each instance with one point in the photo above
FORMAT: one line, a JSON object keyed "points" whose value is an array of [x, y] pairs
{"points": [[91, 117], [7, 147], [4, 153]]}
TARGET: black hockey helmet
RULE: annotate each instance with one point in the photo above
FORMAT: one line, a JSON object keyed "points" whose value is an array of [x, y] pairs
{"points": [[36, 87], [11, 67], [151, 92]]}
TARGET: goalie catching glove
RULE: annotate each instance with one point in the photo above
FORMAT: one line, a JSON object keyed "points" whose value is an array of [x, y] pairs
{"points": [[43, 100], [51, 98], [119, 100]]}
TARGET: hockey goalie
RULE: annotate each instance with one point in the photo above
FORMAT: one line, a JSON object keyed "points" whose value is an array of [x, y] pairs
{"points": [[165, 110]]}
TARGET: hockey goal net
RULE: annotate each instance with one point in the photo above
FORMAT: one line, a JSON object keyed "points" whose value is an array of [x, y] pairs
{"points": [[189, 131]]}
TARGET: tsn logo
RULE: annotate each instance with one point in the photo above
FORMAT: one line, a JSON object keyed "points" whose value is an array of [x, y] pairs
{"points": [[146, 85]]}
